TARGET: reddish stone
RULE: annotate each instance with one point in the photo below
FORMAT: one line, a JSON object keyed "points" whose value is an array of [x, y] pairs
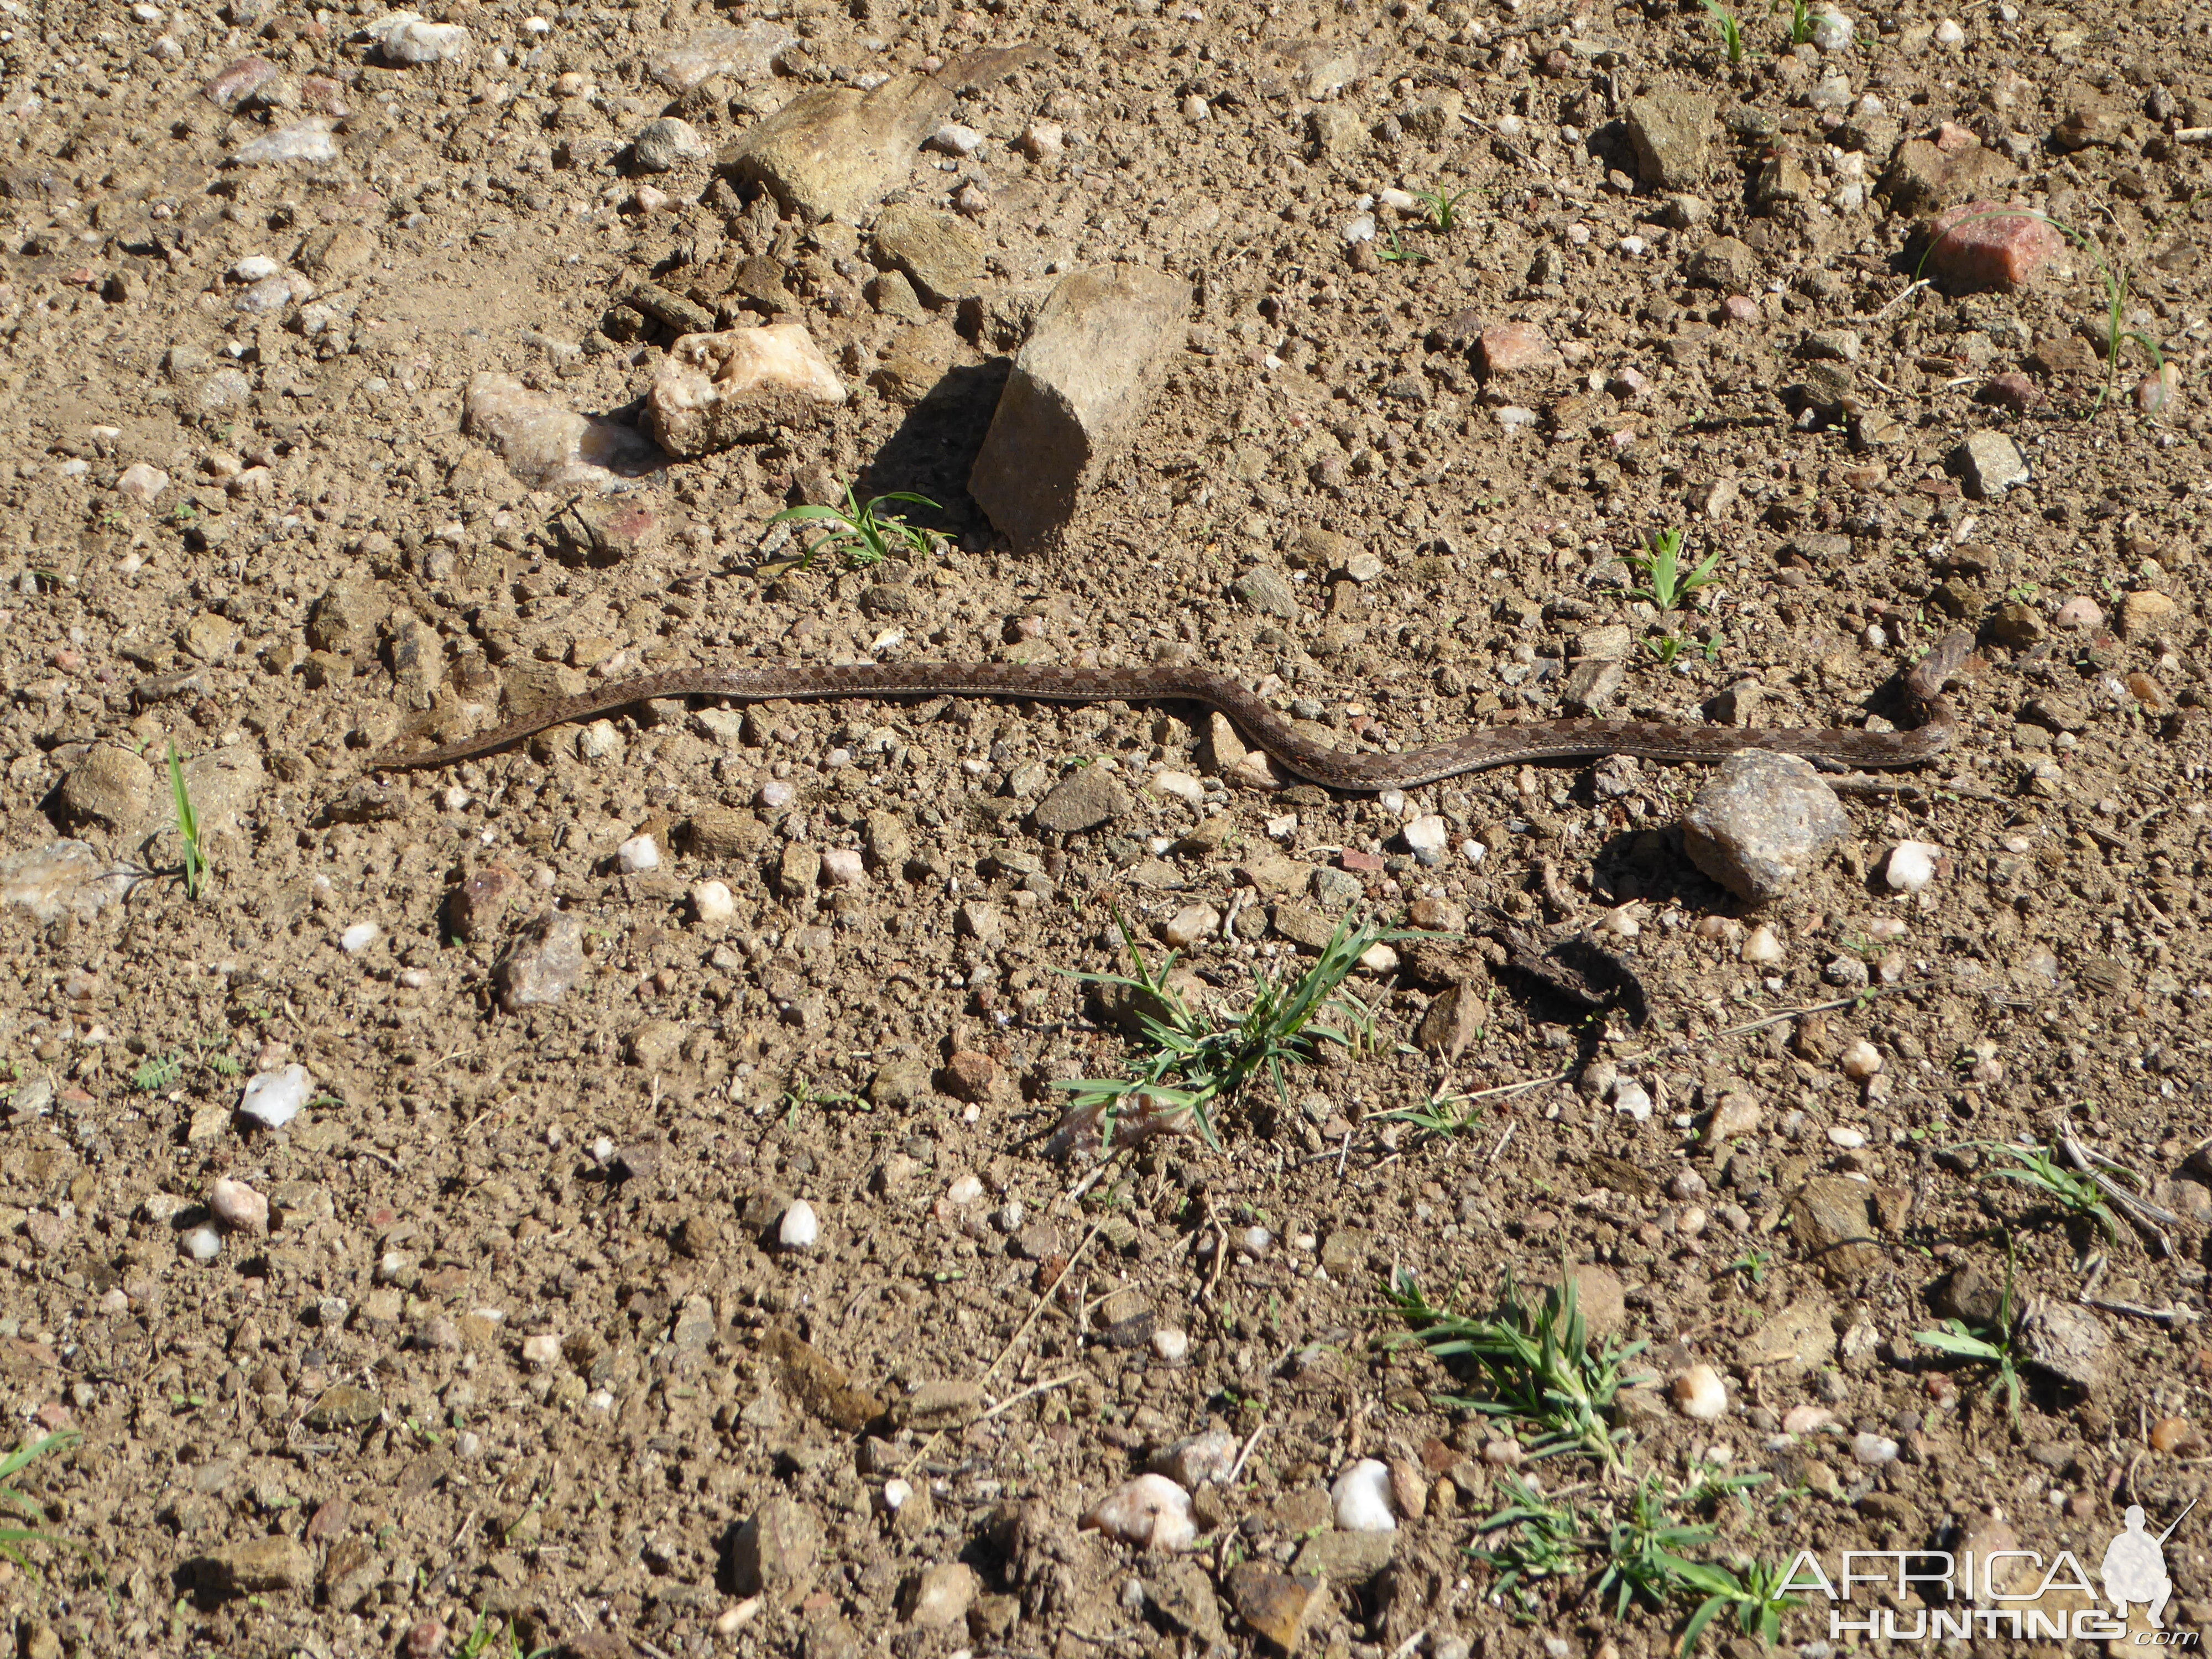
{"points": [[1740, 308], [329, 1520], [1951, 138], [239, 81], [54, 1417], [1983, 246], [475, 907], [1366, 863], [2015, 391], [1511, 347], [969, 1076]]}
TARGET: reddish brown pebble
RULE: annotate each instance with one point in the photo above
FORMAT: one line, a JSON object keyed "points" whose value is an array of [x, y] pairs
{"points": [[427, 1640], [2015, 391], [1366, 863], [1981, 245], [968, 1076], [329, 1520], [2170, 1434], [2150, 693], [476, 904], [1740, 308], [1513, 346]]}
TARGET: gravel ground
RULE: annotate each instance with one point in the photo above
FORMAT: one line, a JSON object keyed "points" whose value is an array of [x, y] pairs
{"points": [[463, 1213]]}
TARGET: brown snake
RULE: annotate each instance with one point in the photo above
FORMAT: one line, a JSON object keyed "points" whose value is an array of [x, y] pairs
{"points": [[1495, 746]]}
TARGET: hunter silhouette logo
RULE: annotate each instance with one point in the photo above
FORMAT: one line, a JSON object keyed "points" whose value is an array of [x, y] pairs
{"points": [[2135, 1567]]}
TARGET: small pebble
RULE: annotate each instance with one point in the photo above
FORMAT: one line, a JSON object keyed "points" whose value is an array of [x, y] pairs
{"points": [[201, 1244], [638, 855], [1633, 1100], [1255, 1241], [713, 902], [1182, 786], [2080, 611], [272, 1099], [239, 1207], [1806, 1419], [1700, 1395], [1761, 946], [1911, 866], [896, 1493], [775, 793], [800, 1229], [1150, 1511], [1169, 1345], [1874, 1448], [1949, 36], [1191, 924], [1832, 33], [966, 1190], [1859, 1061], [359, 937], [1426, 837], [1850, 1139], [842, 867], [1362, 1498], [1379, 959]]}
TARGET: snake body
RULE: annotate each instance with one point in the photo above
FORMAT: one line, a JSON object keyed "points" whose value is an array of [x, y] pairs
{"points": [[1495, 746]]}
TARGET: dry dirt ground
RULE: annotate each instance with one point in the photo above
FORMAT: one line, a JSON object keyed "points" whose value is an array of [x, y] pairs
{"points": [[520, 1350]]}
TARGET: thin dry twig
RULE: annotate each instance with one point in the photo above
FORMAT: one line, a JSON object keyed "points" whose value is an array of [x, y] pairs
{"points": [[1014, 1400], [1243, 1452]]}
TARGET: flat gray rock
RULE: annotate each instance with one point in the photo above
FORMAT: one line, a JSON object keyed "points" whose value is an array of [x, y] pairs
{"points": [[1671, 134], [832, 153], [1761, 822], [1084, 799], [1080, 388]]}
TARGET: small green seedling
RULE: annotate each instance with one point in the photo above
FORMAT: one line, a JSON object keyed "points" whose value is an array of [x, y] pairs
{"points": [[1536, 1360], [1443, 207], [495, 1638], [804, 1093], [2072, 1191], [1547, 1540], [1753, 1264], [1991, 1345], [1800, 22], [1731, 32], [1199, 1063], [1446, 1112], [1666, 584], [861, 535], [13, 1539], [1399, 254], [188, 828]]}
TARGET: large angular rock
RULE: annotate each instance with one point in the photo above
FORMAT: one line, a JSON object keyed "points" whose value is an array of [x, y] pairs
{"points": [[834, 154], [1927, 174], [1991, 464], [1761, 822], [777, 1553], [551, 447], [110, 785], [744, 54], [940, 254], [1671, 134], [717, 390], [1079, 389], [1983, 246], [1830, 1220]]}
